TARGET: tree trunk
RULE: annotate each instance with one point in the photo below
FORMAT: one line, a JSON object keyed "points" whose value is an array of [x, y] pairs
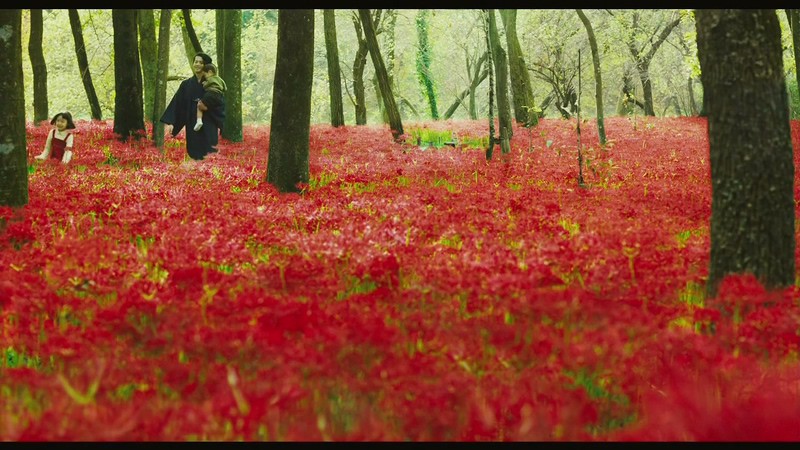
{"points": [[521, 90], [795, 26], [359, 63], [83, 63], [501, 78], [628, 102], [643, 70], [160, 95], [334, 75], [128, 109], [148, 52], [424, 62], [598, 79], [219, 19], [290, 126], [232, 130], [188, 47], [490, 67], [40, 107], [476, 74], [642, 59], [692, 102], [13, 152], [376, 87], [752, 169], [187, 20], [389, 25], [395, 124]]}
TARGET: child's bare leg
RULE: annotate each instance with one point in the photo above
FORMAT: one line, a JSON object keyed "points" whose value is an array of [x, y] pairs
{"points": [[200, 108]]}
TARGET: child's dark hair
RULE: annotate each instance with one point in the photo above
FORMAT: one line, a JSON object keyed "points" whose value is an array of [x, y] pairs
{"points": [[67, 116], [210, 67]]}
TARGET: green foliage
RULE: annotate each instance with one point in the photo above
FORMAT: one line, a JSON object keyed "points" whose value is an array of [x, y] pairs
{"points": [[357, 286], [110, 160], [421, 136]]}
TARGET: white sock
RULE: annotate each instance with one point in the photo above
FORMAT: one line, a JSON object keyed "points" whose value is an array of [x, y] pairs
{"points": [[198, 125]]}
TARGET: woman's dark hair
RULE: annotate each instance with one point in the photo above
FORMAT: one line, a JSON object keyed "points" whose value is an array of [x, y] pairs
{"points": [[206, 58], [67, 116]]}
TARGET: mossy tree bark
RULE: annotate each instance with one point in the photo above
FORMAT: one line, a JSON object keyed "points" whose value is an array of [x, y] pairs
{"points": [[128, 107], [39, 67], [752, 168], [13, 148], [290, 126]]}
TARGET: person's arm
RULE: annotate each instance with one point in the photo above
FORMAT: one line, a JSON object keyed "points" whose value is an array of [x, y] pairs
{"points": [[68, 150], [46, 152], [174, 114]]}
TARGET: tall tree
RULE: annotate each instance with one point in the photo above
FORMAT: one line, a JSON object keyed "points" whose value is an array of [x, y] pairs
{"points": [[39, 67], [128, 108], [395, 123], [389, 45], [521, 90], [687, 53], [501, 77], [794, 25], [148, 52], [187, 20], [232, 63], [598, 78], [219, 20], [83, 63], [334, 75], [160, 96], [13, 151], [643, 44], [359, 64], [188, 46], [424, 62], [749, 135], [290, 127], [476, 73]]}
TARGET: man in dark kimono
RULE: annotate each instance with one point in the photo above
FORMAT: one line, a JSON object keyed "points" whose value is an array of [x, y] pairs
{"points": [[182, 110]]}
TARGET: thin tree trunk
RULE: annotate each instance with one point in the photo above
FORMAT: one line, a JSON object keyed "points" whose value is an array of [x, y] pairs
{"points": [[598, 79], [232, 130], [795, 26], [160, 96], [490, 68], [424, 62], [40, 107], [148, 52], [188, 47], [14, 153], [83, 63], [290, 128], [219, 19], [521, 90], [334, 75], [477, 75], [359, 63], [395, 124], [187, 19], [501, 73]]}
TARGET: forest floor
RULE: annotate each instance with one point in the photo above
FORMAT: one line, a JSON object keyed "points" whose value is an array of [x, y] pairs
{"points": [[406, 294]]}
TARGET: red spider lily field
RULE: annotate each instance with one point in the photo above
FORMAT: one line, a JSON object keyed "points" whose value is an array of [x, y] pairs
{"points": [[408, 294]]}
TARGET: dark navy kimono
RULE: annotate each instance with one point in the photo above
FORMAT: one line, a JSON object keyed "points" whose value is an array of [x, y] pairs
{"points": [[182, 112]]}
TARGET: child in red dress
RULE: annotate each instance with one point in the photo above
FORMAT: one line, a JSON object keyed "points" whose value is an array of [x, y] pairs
{"points": [[59, 140]]}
